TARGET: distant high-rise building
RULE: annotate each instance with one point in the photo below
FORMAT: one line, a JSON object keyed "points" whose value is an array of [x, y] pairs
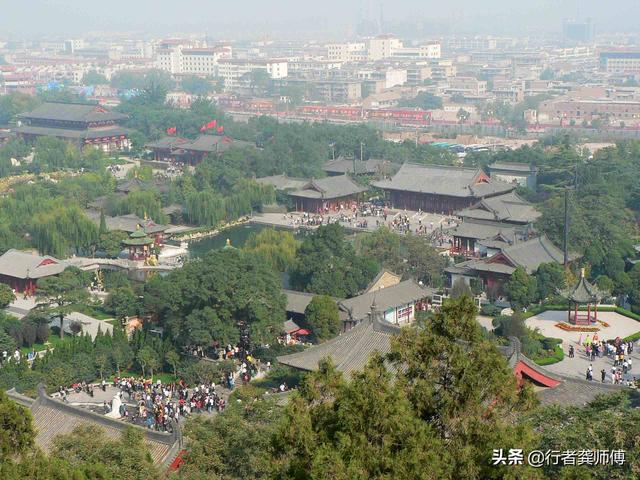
{"points": [[578, 31]]}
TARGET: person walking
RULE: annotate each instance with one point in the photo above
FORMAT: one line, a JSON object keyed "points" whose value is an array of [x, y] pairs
{"points": [[603, 374]]}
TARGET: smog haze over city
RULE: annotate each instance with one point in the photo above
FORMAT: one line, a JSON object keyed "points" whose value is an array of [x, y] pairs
{"points": [[305, 18], [328, 240]]}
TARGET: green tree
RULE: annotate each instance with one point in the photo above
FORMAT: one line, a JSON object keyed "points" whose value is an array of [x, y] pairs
{"points": [[17, 434], [196, 85], [173, 358], [125, 458], [322, 317], [460, 288], [549, 279], [147, 358], [424, 100], [278, 248], [122, 303], [60, 293], [6, 295], [94, 78], [521, 288]]}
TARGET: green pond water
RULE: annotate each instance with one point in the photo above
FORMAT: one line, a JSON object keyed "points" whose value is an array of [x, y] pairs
{"points": [[238, 237]]}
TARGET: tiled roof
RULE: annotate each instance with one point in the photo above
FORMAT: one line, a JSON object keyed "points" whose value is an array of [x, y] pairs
{"points": [[89, 134], [343, 165], [17, 264], [330, 187], [531, 253], [282, 182], [212, 143], [442, 180], [52, 418], [72, 112], [349, 351], [481, 230], [357, 308], [583, 292], [297, 301], [513, 166], [505, 208]]}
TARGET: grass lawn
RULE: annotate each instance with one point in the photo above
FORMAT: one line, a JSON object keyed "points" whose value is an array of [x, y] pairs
{"points": [[54, 341], [91, 311]]}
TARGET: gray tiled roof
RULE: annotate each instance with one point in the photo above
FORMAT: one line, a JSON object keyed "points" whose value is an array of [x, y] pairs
{"points": [[212, 143], [531, 253], [583, 292], [89, 134], [343, 165], [481, 230], [357, 308], [297, 301], [506, 208], [282, 182], [442, 180], [330, 187], [52, 418], [349, 351], [512, 166], [166, 143], [17, 264], [72, 112], [128, 223]]}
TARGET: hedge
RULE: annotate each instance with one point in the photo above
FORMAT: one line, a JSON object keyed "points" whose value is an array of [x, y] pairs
{"points": [[558, 356]]}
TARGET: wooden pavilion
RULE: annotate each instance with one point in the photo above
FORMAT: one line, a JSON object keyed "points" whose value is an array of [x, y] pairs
{"points": [[139, 245], [582, 293]]}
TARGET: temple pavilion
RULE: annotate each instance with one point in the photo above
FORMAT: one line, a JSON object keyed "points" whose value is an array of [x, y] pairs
{"points": [[139, 245], [582, 293]]}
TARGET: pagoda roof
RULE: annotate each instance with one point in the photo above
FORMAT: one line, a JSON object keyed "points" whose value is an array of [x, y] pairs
{"points": [[139, 237], [583, 292]]}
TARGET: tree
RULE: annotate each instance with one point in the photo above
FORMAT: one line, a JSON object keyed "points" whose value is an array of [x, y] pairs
{"points": [[326, 264], [147, 358], [207, 299], [278, 248], [463, 115], [196, 85], [7, 343], [6, 295], [460, 288], [60, 293], [549, 279], [94, 78], [424, 100], [521, 288], [322, 317], [17, 434], [122, 303], [126, 457], [451, 395], [173, 359]]}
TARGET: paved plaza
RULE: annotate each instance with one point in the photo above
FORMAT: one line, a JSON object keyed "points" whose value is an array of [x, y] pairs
{"points": [[619, 326], [429, 221]]}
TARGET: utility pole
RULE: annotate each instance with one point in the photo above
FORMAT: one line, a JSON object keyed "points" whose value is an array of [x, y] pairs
{"points": [[566, 227]]}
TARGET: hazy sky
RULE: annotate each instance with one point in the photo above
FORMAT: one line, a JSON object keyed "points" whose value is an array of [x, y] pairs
{"points": [[26, 18]]}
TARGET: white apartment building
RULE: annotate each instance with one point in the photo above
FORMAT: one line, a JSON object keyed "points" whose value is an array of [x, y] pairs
{"points": [[430, 50], [346, 52], [234, 71], [203, 61], [382, 46]]}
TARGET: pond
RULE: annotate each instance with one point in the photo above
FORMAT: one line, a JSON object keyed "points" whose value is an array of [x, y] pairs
{"points": [[238, 237]]}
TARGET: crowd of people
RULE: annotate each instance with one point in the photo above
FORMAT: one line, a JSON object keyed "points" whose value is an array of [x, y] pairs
{"points": [[617, 350], [158, 405]]}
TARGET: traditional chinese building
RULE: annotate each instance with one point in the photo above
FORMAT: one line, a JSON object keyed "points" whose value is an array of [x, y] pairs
{"points": [[77, 123], [373, 166], [398, 304], [330, 193], [582, 294], [139, 245], [351, 350], [192, 152], [494, 271], [21, 270], [522, 174], [440, 189], [509, 208]]}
